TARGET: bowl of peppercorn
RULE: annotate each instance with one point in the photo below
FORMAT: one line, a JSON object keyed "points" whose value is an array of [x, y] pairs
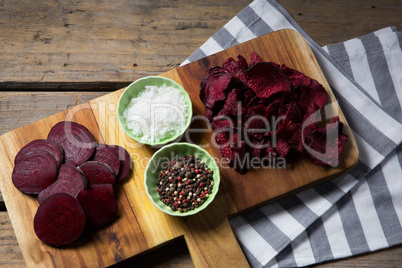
{"points": [[181, 179]]}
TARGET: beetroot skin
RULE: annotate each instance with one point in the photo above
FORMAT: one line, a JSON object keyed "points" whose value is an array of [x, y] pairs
{"points": [[35, 171], [70, 180], [100, 207], [60, 220]]}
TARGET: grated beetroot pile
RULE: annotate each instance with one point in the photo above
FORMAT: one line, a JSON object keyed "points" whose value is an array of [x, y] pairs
{"points": [[263, 110]]}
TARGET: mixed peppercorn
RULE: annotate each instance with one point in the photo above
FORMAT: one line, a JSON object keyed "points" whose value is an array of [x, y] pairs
{"points": [[185, 183]]}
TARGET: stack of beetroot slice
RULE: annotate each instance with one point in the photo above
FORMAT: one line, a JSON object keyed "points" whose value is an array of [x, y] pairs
{"points": [[266, 110], [74, 179]]}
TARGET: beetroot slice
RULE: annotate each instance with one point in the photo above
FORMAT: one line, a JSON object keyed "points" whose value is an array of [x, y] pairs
{"points": [[77, 142], [35, 171], [266, 79], [324, 145], [234, 66], [106, 187], [108, 156], [254, 58], [125, 161], [60, 220], [52, 147], [70, 181], [100, 207], [98, 172], [213, 85], [232, 105]]}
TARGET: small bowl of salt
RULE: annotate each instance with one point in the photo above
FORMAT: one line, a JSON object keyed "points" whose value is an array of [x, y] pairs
{"points": [[154, 110]]}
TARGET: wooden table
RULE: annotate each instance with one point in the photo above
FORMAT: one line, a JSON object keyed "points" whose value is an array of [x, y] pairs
{"points": [[57, 54]]}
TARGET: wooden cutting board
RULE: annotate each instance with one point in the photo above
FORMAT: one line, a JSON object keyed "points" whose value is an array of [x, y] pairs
{"points": [[140, 226]]}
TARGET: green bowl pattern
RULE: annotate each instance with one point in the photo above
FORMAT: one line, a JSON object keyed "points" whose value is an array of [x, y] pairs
{"points": [[134, 89], [168, 153]]}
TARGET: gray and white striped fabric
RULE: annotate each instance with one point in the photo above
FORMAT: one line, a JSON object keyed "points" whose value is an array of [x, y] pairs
{"points": [[360, 211]]}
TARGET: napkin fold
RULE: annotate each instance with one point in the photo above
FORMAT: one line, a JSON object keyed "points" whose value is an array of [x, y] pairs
{"points": [[358, 212]]}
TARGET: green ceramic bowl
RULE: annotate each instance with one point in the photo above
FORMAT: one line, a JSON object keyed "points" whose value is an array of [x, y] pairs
{"points": [[168, 153], [138, 86]]}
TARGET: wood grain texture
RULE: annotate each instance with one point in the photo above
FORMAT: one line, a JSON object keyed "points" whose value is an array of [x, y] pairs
{"points": [[10, 253], [124, 40], [141, 226], [150, 37], [329, 22], [326, 21], [18, 109]]}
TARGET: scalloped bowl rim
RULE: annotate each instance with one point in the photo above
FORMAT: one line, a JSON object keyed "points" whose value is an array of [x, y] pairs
{"points": [[211, 165], [176, 85]]}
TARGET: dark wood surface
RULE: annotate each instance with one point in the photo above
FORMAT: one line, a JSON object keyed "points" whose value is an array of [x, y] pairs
{"points": [[57, 54]]}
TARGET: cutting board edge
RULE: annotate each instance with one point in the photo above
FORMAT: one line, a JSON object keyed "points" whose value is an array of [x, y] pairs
{"points": [[290, 193]]}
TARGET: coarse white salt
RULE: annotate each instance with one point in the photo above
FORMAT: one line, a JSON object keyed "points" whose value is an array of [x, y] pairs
{"points": [[157, 113]]}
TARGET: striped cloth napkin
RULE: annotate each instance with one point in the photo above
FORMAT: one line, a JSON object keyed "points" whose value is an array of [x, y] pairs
{"points": [[355, 213]]}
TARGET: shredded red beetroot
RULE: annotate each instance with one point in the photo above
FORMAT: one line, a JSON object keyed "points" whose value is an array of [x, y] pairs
{"points": [[265, 109]]}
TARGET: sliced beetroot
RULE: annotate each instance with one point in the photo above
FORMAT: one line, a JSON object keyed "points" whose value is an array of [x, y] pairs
{"points": [[256, 147], [222, 137], [233, 105], [77, 142], [254, 58], [234, 151], [98, 172], [35, 171], [324, 145], [254, 113], [234, 66], [106, 187], [295, 141], [100, 207], [317, 93], [282, 147], [209, 114], [70, 181], [290, 113], [266, 79], [60, 220], [220, 122], [125, 161], [256, 123], [52, 147], [213, 85], [108, 156], [265, 101], [295, 76], [249, 95]]}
